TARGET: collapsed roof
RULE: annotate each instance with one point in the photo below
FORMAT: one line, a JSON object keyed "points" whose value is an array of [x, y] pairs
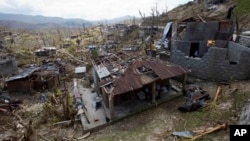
{"points": [[118, 76], [145, 72]]}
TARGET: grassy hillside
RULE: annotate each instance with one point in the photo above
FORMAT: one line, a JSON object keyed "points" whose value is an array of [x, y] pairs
{"points": [[190, 9], [243, 7]]}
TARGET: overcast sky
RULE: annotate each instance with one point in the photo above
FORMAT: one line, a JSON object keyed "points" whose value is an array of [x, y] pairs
{"points": [[86, 9]]}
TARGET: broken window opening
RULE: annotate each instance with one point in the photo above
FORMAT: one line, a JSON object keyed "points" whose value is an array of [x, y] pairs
{"points": [[233, 62], [194, 50]]}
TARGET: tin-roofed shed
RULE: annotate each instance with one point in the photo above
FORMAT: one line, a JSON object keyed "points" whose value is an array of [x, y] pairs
{"points": [[21, 82], [34, 78]]}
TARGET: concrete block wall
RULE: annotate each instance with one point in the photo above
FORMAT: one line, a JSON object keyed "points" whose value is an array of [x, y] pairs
{"points": [[221, 43], [222, 70], [215, 64], [235, 51], [199, 66], [245, 41]]}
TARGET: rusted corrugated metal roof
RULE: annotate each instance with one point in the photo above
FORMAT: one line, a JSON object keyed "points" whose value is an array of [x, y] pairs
{"points": [[127, 82], [131, 79]]}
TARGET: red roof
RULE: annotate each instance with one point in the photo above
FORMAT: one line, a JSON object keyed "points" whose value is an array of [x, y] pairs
{"points": [[131, 79]]}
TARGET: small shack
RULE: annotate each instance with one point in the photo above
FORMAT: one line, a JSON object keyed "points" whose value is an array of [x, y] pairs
{"points": [[21, 83], [33, 78], [45, 51]]}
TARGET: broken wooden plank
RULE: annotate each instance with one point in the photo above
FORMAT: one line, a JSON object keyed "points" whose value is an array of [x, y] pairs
{"points": [[65, 122], [175, 88], [213, 104], [217, 94], [201, 19], [84, 136], [222, 126]]}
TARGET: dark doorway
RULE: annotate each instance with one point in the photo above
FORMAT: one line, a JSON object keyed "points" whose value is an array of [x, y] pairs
{"points": [[194, 50]]}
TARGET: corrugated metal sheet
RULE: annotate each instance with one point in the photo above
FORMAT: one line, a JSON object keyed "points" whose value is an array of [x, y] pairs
{"points": [[132, 80], [24, 74], [80, 69], [128, 82], [166, 31], [102, 71]]}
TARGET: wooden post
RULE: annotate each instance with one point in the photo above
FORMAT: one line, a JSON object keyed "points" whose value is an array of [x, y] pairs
{"points": [[104, 96], [111, 106], [153, 92]]}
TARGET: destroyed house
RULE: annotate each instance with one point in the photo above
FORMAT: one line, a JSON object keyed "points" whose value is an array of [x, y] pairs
{"points": [[33, 78], [21, 82], [208, 50], [45, 51], [8, 66], [134, 79]]}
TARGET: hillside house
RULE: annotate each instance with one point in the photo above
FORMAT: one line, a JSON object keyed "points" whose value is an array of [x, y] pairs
{"points": [[122, 79]]}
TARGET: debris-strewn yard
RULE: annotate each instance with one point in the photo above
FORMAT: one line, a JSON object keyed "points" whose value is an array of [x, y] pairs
{"points": [[158, 123]]}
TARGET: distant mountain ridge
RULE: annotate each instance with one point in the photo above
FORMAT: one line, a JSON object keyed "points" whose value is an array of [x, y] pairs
{"points": [[115, 20], [42, 22], [35, 22]]}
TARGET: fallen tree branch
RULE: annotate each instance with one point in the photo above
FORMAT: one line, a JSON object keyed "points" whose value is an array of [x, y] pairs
{"points": [[44, 138]]}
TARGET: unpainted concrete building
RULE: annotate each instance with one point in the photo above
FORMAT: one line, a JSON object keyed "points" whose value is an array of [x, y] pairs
{"points": [[223, 60]]}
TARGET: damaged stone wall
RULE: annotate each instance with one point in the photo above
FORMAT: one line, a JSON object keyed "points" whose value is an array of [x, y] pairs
{"points": [[8, 66], [218, 64]]}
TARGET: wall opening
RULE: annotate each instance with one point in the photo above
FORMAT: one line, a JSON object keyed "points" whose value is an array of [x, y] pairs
{"points": [[194, 50]]}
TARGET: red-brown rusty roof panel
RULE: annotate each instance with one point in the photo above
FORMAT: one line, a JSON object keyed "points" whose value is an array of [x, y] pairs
{"points": [[132, 80], [128, 82]]}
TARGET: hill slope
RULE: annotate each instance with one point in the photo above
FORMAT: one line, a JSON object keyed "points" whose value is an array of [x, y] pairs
{"points": [[192, 9]]}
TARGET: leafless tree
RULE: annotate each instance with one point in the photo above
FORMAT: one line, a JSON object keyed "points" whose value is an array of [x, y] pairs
{"points": [[142, 16]]}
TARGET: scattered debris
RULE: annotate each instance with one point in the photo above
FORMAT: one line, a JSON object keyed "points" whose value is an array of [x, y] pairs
{"points": [[186, 134], [45, 51], [67, 122], [194, 135], [195, 98], [208, 131]]}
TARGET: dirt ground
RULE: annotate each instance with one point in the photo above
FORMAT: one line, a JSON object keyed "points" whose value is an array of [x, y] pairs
{"points": [[151, 125]]}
